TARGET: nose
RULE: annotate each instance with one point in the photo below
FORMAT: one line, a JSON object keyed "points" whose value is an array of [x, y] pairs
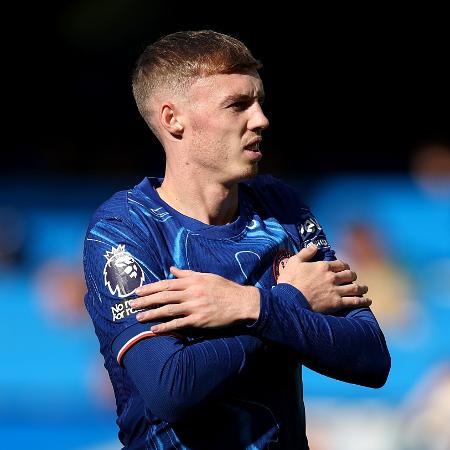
{"points": [[258, 120]]}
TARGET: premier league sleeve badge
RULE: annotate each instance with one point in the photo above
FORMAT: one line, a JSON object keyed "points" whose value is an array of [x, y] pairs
{"points": [[122, 273]]}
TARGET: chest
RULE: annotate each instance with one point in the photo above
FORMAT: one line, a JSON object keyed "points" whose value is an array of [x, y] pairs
{"points": [[247, 258]]}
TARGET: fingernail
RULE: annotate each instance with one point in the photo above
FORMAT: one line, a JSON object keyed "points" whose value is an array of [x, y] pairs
{"points": [[155, 329], [139, 316], [132, 303], [138, 291]]}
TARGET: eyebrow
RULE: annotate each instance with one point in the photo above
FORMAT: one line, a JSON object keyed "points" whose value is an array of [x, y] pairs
{"points": [[241, 98]]}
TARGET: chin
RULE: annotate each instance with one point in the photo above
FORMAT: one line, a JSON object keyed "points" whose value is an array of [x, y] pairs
{"points": [[240, 173], [249, 172]]}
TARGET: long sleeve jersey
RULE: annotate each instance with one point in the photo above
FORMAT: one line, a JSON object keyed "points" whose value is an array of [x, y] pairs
{"points": [[234, 388]]}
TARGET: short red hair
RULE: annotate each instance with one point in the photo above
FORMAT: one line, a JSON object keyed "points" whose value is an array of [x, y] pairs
{"points": [[175, 61]]}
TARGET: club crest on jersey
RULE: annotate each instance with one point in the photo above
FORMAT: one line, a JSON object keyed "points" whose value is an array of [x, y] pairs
{"points": [[123, 275], [280, 261]]}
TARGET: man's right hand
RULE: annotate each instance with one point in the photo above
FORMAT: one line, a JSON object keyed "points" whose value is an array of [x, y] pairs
{"points": [[327, 285]]}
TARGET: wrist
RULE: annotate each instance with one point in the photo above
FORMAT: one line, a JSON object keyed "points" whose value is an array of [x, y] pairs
{"points": [[291, 293], [250, 303]]}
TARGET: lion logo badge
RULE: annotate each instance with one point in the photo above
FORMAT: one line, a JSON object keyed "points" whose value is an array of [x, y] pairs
{"points": [[123, 275]]}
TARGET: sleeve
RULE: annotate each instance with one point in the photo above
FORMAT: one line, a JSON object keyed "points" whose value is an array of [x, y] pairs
{"points": [[175, 379], [172, 373], [348, 347], [117, 260]]}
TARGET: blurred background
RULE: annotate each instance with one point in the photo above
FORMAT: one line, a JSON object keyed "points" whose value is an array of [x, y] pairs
{"points": [[358, 101]]}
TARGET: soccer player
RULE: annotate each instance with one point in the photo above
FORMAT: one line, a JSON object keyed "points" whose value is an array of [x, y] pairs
{"points": [[210, 288]]}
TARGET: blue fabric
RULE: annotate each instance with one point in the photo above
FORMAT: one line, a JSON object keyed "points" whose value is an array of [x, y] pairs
{"points": [[238, 388], [350, 348]]}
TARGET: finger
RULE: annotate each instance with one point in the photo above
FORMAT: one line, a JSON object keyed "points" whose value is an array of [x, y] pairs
{"points": [[159, 286], [338, 266], [346, 276], [159, 298], [356, 302], [181, 273], [307, 253], [173, 325], [352, 290], [171, 310]]}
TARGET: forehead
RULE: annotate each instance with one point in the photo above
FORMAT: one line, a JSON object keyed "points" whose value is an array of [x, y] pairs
{"points": [[218, 87]]}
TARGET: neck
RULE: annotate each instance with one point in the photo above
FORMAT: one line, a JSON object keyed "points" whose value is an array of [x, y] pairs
{"points": [[194, 196]]}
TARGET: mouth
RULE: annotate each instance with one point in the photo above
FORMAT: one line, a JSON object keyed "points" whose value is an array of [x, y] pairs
{"points": [[253, 146], [252, 150]]}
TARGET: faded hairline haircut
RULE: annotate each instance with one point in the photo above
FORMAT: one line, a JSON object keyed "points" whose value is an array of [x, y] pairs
{"points": [[175, 61]]}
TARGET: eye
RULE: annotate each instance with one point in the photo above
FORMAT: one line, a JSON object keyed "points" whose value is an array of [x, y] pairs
{"points": [[241, 105]]}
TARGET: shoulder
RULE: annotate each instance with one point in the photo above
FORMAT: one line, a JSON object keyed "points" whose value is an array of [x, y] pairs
{"points": [[115, 207], [128, 208], [117, 250], [111, 225], [285, 203], [125, 222]]}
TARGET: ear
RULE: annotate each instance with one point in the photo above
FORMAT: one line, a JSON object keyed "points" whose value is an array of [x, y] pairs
{"points": [[169, 120]]}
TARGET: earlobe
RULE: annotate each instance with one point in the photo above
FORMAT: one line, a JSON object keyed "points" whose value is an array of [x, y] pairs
{"points": [[169, 120]]}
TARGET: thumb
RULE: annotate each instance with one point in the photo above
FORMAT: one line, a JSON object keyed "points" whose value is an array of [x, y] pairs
{"points": [[307, 253], [180, 273]]}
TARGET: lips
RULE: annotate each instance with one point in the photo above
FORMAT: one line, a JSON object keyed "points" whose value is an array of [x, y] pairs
{"points": [[253, 146]]}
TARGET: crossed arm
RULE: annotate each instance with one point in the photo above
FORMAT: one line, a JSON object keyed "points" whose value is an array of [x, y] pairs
{"points": [[205, 300], [348, 345]]}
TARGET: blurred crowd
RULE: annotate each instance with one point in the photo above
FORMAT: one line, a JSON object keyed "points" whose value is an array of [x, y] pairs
{"points": [[394, 230]]}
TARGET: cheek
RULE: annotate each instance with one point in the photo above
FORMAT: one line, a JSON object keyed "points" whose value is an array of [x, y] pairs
{"points": [[210, 130], [214, 134], [203, 118], [219, 123]]}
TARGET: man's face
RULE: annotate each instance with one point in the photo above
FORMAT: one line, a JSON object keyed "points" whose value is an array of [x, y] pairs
{"points": [[224, 123]]}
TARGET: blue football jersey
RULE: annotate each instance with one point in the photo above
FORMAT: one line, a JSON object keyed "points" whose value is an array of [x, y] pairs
{"points": [[132, 240]]}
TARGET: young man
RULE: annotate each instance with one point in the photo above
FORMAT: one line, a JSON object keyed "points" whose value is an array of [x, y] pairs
{"points": [[232, 278]]}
